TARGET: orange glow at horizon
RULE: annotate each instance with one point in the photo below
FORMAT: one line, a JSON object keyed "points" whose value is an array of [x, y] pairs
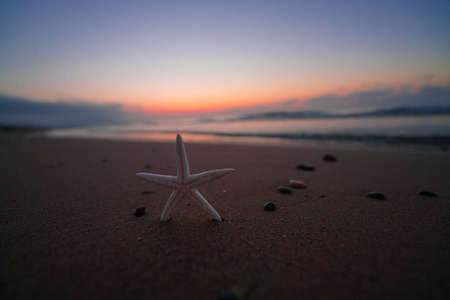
{"points": [[178, 104], [179, 107], [175, 98], [227, 98], [210, 104]]}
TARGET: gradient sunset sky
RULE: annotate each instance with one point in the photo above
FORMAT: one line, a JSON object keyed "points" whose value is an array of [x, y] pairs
{"points": [[207, 55]]}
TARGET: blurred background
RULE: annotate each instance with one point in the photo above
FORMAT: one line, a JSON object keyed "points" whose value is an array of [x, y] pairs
{"points": [[272, 71]]}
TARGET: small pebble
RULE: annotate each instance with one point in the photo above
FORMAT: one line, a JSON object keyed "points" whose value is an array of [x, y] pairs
{"points": [[297, 184], [427, 193], [284, 190], [269, 206], [376, 195], [231, 295], [306, 167], [329, 157], [147, 192], [104, 161], [148, 166], [140, 211], [321, 196], [139, 238]]}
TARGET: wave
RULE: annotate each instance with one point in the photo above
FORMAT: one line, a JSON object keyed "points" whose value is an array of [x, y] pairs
{"points": [[435, 140]]}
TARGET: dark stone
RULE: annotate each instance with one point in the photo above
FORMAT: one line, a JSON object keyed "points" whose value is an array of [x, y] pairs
{"points": [[148, 166], [104, 161], [322, 196], [140, 211], [376, 195], [147, 192], [306, 167], [231, 295], [329, 157], [269, 206], [427, 193], [284, 190]]}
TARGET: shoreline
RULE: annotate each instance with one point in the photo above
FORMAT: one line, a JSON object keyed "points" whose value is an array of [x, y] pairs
{"points": [[69, 229], [261, 141]]}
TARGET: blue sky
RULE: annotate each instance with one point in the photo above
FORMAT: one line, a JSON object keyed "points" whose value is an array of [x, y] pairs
{"points": [[165, 56]]}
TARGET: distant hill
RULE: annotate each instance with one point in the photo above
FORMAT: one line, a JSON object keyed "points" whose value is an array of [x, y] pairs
{"points": [[286, 115], [21, 112]]}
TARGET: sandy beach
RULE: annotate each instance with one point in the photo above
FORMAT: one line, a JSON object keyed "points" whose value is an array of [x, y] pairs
{"points": [[68, 229]]}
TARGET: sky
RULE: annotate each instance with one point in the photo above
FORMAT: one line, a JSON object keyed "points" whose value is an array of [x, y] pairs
{"points": [[167, 57]]}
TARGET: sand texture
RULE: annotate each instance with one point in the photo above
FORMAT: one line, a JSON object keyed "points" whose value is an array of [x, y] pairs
{"points": [[68, 229]]}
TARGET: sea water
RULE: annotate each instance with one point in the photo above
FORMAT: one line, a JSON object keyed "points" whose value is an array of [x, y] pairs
{"points": [[372, 131]]}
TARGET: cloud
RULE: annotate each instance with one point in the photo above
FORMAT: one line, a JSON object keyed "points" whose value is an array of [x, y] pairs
{"points": [[388, 98], [356, 102], [19, 112]]}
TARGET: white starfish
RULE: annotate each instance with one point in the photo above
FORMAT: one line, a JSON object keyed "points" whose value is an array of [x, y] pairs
{"points": [[185, 184]]}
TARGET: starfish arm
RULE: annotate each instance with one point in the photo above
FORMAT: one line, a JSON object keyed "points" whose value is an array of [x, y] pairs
{"points": [[170, 181], [182, 162], [197, 179], [174, 198], [195, 196]]}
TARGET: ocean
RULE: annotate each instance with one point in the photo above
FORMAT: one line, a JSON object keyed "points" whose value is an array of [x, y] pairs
{"points": [[393, 131]]}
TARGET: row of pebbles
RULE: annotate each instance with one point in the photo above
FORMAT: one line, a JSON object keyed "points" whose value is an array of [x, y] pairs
{"points": [[381, 196], [297, 183], [286, 190], [301, 185], [293, 183]]}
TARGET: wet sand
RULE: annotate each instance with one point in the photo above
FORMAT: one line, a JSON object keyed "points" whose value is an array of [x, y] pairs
{"points": [[68, 229]]}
